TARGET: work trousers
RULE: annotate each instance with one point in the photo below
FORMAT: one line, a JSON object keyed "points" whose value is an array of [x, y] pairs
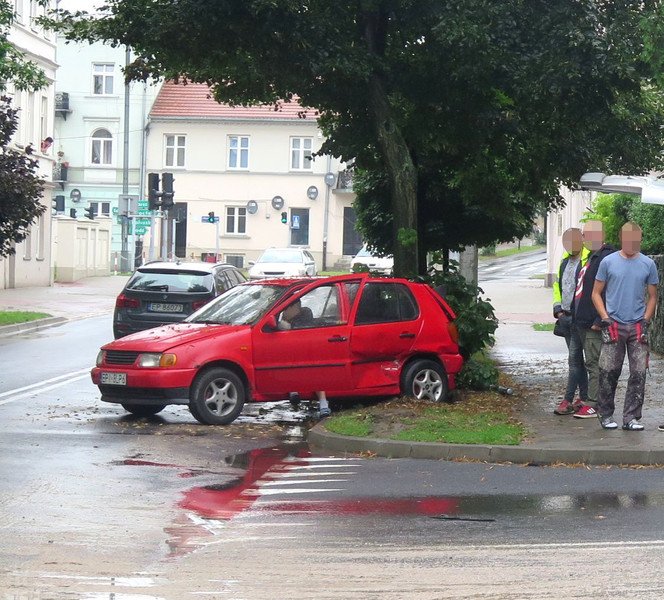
{"points": [[610, 366], [592, 347]]}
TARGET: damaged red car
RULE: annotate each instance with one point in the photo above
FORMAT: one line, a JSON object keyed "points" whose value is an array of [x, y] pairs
{"points": [[350, 335]]}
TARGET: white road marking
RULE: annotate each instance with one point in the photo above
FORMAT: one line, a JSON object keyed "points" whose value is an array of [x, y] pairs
{"points": [[264, 492], [42, 386], [279, 475], [303, 467], [299, 481]]}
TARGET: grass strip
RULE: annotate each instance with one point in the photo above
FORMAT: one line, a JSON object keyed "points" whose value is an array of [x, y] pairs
{"points": [[12, 317], [543, 326], [445, 424], [356, 424]]}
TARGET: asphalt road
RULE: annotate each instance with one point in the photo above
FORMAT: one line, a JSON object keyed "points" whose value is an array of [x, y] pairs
{"points": [[95, 504]]}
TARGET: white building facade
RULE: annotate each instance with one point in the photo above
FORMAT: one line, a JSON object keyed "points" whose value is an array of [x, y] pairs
{"points": [[90, 143], [254, 169], [31, 265]]}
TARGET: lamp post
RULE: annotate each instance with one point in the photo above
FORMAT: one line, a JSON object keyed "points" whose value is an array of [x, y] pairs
{"points": [[329, 182], [651, 189]]}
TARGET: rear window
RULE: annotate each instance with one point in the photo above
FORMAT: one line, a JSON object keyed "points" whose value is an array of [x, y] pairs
{"points": [[170, 281]]}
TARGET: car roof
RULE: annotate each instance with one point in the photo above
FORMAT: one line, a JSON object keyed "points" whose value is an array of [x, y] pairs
{"points": [[183, 266]]}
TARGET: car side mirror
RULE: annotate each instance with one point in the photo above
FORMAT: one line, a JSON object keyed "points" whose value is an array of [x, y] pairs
{"points": [[251, 263], [270, 324]]}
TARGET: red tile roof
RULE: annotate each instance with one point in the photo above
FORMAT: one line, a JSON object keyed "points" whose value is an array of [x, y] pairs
{"points": [[195, 100]]}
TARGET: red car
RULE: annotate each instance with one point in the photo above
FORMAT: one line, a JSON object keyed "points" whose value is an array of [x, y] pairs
{"points": [[349, 335]]}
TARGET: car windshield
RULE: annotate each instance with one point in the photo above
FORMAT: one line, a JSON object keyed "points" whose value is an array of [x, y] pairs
{"points": [[170, 281], [363, 252], [281, 256], [241, 305]]}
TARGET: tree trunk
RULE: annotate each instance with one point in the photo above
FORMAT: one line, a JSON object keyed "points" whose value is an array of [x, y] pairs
{"points": [[394, 150]]}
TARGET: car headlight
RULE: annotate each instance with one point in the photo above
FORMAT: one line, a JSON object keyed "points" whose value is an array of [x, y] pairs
{"points": [[101, 357], [151, 360]]}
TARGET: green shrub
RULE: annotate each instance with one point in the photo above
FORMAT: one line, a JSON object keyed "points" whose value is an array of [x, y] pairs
{"points": [[479, 373]]}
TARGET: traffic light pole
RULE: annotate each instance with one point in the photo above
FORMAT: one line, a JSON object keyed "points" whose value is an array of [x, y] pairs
{"points": [[216, 240]]}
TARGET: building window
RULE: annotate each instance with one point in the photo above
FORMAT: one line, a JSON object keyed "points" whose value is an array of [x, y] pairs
{"points": [[236, 219], [301, 153], [43, 119], [238, 152], [27, 244], [102, 147], [101, 208], [175, 150], [237, 260], [33, 14], [41, 238], [299, 226], [102, 79], [30, 120], [18, 11]]}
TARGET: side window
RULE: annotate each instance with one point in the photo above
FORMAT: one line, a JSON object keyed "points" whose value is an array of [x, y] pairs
{"points": [[379, 303], [318, 308], [408, 309], [222, 282], [351, 289]]}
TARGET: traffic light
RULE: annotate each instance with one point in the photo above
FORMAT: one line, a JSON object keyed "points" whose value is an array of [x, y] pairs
{"points": [[153, 191], [211, 217], [90, 211], [58, 204], [284, 217], [167, 190]]}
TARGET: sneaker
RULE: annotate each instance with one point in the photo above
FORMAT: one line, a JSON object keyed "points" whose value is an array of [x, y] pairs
{"points": [[608, 423], [585, 412], [578, 404], [564, 408], [324, 412], [633, 425]]}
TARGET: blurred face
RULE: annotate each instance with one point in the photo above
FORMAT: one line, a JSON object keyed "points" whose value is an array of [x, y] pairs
{"points": [[573, 240], [630, 238], [292, 311], [593, 235]]}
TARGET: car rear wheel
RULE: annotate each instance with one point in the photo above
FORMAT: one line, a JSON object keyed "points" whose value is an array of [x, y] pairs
{"points": [[144, 410], [425, 380], [217, 397]]}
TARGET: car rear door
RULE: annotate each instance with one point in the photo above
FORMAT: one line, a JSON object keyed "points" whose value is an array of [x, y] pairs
{"points": [[387, 322], [314, 356]]}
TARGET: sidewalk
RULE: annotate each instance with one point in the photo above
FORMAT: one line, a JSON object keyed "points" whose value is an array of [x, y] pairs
{"points": [[534, 359]]}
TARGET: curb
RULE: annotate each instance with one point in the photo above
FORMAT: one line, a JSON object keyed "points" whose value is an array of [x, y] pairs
{"points": [[16, 328], [529, 455]]}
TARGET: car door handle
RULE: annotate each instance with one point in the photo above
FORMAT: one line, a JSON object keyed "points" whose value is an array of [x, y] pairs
{"points": [[406, 335], [337, 338]]}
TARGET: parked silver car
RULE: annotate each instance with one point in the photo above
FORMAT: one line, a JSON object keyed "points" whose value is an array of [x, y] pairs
{"points": [[283, 262]]}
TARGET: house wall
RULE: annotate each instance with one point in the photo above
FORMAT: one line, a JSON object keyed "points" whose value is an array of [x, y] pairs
{"points": [[207, 184], [576, 204], [89, 112], [31, 265]]}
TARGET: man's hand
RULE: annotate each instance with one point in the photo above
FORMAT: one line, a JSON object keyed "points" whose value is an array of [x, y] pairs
{"points": [[642, 331], [609, 331]]}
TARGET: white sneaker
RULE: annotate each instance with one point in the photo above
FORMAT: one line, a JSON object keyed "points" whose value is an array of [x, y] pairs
{"points": [[608, 423], [633, 425]]}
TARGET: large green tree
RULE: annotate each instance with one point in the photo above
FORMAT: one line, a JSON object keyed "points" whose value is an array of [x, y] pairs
{"points": [[20, 188], [461, 115]]}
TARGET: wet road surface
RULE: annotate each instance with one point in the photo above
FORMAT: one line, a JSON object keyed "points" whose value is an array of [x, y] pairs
{"points": [[95, 504]]}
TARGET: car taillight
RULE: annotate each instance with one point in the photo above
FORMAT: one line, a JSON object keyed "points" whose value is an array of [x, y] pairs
{"points": [[123, 301], [196, 305], [453, 331]]}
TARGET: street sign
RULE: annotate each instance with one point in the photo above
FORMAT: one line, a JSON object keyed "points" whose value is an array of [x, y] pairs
{"points": [[206, 219]]}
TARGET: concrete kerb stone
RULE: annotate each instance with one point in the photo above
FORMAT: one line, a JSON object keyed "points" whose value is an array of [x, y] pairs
{"points": [[325, 440], [26, 327]]}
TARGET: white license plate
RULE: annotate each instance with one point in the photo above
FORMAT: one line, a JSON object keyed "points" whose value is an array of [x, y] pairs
{"points": [[114, 378], [166, 308]]}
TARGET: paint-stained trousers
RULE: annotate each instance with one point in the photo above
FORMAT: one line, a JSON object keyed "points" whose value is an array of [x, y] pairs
{"points": [[610, 366]]}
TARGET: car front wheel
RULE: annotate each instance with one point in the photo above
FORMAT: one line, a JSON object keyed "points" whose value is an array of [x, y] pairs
{"points": [[424, 380], [217, 397], [144, 410]]}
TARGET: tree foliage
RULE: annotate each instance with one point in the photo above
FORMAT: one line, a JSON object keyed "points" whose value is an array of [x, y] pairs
{"points": [[463, 116], [20, 189], [614, 210]]}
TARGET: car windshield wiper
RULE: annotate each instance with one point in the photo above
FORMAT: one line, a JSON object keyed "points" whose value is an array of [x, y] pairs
{"points": [[210, 322]]}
